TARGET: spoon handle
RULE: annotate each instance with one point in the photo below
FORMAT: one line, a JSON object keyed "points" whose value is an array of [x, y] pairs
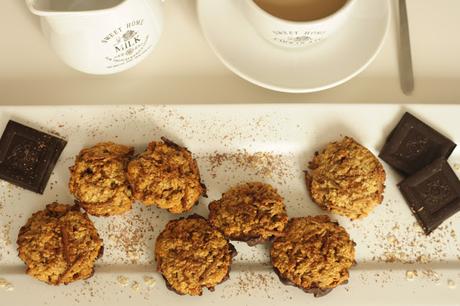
{"points": [[406, 73]]}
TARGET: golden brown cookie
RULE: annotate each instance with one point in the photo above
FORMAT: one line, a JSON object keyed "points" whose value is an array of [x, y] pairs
{"points": [[98, 179], [191, 255], [314, 254], [253, 212], [59, 245], [166, 175], [346, 179]]}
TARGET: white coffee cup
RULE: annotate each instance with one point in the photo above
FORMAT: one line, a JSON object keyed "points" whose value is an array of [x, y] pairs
{"points": [[103, 36], [294, 34]]}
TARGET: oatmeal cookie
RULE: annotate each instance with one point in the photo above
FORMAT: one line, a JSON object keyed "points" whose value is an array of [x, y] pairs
{"points": [[59, 245], [253, 212], [346, 179], [191, 255], [98, 179], [314, 254], [167, 176]]}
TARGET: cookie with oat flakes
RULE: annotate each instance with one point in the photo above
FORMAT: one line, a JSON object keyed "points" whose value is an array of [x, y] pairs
{"points": [[166, 175], [98, 179], [59, 245], [313, 254], [253, 212], [191, 255], [346, 179]]}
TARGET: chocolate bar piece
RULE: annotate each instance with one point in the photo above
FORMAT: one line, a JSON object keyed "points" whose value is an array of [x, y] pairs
{"points": [[28, 156], [433, 194], [413, 145]]}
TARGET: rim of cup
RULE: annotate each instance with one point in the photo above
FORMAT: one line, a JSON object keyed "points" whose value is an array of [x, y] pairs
{"points": [[315, 21]]}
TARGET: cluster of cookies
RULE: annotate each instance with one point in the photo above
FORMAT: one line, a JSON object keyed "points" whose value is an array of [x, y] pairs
{"points": [[313, 253], [60, 244], [106, 179]]}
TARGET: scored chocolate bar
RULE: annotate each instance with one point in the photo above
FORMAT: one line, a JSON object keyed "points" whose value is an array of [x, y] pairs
{"points": [[433, 194], [28, 156], [413, 145]]}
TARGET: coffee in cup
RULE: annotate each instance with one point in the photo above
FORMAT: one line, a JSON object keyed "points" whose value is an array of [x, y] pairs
{"points": [[296, 23], [300, 10]]}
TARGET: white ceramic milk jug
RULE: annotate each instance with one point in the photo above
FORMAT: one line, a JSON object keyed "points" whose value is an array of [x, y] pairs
{"points": [[100, 36]]}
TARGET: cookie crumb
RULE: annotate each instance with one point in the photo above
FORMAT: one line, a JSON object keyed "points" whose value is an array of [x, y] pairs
{"points": [[451, 284]]}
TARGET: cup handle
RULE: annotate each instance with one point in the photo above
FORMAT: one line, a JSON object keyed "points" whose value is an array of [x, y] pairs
{"points": [[31, 6]]}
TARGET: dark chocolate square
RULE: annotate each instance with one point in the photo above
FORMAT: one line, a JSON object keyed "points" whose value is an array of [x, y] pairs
{"points": [[28, 156], [413, 145], [433, 194]]}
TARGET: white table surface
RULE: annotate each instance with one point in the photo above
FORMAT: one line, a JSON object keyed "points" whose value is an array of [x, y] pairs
{"points": [[183, 69]]}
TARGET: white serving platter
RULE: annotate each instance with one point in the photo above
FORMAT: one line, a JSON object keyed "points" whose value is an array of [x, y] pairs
{"points": [[397, 263]]}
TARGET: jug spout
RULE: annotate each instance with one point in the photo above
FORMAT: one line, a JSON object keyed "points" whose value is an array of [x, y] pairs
{"points": [[54, 7]]}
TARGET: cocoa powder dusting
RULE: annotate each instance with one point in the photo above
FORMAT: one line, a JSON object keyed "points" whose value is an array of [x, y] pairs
{"points": [[263, 164]]}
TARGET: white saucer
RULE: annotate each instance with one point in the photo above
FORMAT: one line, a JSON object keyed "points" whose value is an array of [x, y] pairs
{"points": [[324, 65]]}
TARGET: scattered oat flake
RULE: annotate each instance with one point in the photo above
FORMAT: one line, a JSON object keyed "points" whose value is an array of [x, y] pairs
{"points": [[451, 284], [392, 239], [423, 259], [6, 285], [411, 274], [431, 275], [149, 281], [457, 167], [123, 280], [135, 286]]}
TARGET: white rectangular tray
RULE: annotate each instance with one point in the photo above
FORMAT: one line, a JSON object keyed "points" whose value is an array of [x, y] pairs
{"points": [[236, 143]]}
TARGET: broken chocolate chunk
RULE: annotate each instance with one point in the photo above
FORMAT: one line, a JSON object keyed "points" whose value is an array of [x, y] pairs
{"points": [[413, 145], [28, 156], [433, 194]]}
